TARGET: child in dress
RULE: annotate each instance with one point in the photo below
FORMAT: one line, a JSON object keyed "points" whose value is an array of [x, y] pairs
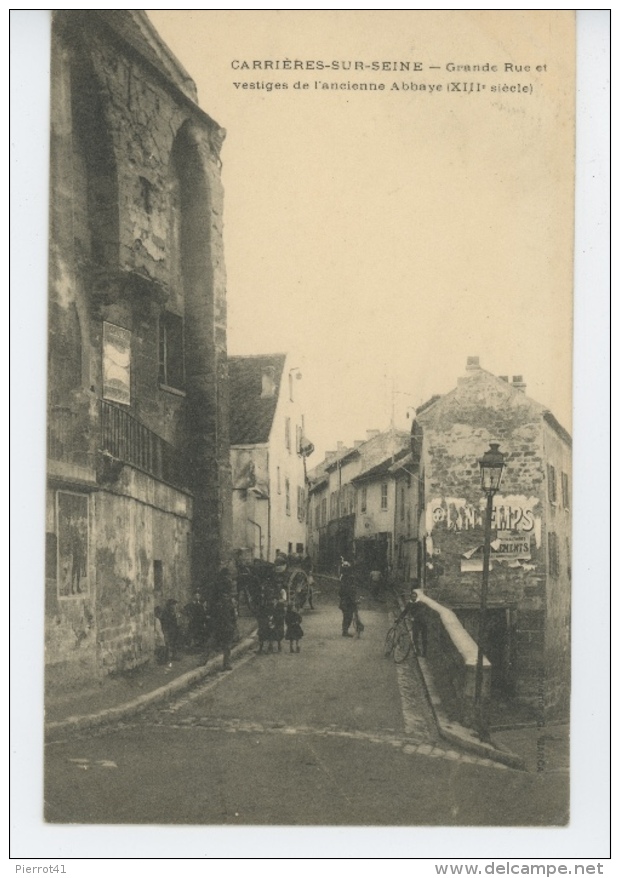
{"points": [[266, 627], [294, 631]]}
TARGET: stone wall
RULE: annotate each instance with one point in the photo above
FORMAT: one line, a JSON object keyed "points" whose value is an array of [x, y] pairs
{"points": [[558, 592], [528, 609], [110, 625], [135, 239]]}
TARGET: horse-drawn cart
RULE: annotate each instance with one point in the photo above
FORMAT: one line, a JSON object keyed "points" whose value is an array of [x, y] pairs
{"points": [[263, 582]]}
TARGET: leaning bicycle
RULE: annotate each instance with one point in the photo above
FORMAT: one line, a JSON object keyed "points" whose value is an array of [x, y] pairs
{"points": [[398, 643]]}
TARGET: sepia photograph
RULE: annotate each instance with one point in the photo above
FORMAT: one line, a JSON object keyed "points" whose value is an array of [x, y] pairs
{"points": [[308, 518]]}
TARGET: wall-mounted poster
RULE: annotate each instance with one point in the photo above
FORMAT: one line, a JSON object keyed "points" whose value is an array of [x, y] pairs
{"points": [[72, 519], [116, 364]]}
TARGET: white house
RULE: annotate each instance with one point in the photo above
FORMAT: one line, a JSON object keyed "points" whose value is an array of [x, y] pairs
{"points": [[268, 450]]}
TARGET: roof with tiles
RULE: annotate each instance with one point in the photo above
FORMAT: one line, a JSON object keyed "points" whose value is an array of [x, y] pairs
{"points": [[382, 468], [251, 409]]}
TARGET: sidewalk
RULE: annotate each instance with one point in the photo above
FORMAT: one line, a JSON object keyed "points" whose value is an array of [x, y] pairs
{"points": [[122, 694], [516, 738]]}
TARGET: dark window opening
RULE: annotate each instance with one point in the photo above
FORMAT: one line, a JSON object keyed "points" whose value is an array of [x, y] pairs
{"points": [[554, 558], [565, 492], [171, 369], [553, 493], [146, 192], [384, 496]]}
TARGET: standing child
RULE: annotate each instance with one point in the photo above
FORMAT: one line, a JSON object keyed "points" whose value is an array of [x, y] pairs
{"points": [[266, 627], [294, 631]]}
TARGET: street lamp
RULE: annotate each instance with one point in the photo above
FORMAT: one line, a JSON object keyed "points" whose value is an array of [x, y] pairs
{"points": [[491, 469]]}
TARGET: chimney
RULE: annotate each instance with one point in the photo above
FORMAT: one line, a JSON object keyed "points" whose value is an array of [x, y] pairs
{"points": [[473, 363], [268, 382], [518, 383], [341, 448], [370, 434], [329, 456]]}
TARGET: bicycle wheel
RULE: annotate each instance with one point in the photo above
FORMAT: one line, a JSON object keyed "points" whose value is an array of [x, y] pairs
{"points": [[390, 642], [402, 647]]}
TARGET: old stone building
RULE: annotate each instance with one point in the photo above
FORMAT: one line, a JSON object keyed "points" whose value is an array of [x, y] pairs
{"points": [[139, 486], [528, 620], [354, 506]]}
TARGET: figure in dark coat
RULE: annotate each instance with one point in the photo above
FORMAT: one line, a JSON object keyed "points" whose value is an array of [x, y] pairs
{"points": [[348, 597], [170, 628], [224, 617], [266, 626], [294, 631], [419, 626]]}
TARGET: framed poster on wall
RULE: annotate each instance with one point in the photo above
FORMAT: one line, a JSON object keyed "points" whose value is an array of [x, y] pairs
{"points": [[72, 523], [116, 364]]}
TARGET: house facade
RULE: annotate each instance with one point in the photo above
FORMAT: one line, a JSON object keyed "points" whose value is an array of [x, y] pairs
{"points": [[139, 487], [268, 456], [353, 502], [528, 619]]}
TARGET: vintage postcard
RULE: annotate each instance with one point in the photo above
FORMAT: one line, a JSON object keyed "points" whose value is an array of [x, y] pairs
{"points": [[309, 505]]}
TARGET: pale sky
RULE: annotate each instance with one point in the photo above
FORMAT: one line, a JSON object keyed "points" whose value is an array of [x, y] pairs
{"points": [[382, 237]]}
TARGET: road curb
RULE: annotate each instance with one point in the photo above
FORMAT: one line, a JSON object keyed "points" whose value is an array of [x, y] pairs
{"points": [[450, 731], [163, 693]]}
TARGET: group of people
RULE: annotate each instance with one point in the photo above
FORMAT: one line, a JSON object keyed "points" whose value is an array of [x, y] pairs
{"points": [[278, 618], [278, 621], [213, 622]]}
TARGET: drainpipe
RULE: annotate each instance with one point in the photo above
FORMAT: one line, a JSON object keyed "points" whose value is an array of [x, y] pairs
{"points": [[269, 510]]}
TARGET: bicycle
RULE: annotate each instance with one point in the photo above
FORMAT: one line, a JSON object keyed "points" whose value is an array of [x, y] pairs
{"points": [[398, 641]]}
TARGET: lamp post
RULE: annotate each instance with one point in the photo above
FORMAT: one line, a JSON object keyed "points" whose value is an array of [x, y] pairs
{"points": [[491, 469]]}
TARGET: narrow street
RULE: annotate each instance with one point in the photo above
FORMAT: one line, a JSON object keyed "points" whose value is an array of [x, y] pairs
{"points": [[336, 734]]}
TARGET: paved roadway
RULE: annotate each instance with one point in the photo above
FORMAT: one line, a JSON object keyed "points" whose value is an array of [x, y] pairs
{"points": [[334, 735]]}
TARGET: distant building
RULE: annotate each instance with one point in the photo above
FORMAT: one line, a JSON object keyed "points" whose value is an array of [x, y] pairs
{"points": [[139, 493], [528, 620], [353, 502], [268, 452]]}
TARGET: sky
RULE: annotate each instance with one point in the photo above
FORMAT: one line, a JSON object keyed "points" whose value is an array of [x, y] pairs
{"points": [[383, 237]]}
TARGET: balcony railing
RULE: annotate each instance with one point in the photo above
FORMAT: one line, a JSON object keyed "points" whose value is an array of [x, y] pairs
{"points": [[125, 439]]}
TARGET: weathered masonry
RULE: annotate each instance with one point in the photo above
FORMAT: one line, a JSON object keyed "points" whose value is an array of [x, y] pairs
{"points": [[139, 485], [528, 620]]}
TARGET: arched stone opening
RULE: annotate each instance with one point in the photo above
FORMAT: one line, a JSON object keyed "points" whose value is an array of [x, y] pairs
{"points": [[191, 275]]}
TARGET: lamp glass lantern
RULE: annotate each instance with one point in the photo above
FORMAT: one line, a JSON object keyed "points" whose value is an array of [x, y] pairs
{"points": [[491, 469]]}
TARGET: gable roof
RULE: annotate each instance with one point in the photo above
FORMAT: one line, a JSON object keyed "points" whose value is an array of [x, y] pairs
{"points": [[432, 408], [383, 468], [555, 425], [251, 415]]}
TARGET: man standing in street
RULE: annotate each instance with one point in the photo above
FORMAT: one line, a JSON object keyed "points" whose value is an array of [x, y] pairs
{"points": [[224, 617], [348, 597]]}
